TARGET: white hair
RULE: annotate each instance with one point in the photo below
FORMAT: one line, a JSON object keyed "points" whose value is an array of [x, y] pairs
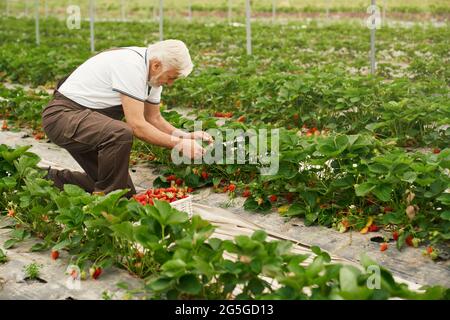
{"points": [[172, 54]]}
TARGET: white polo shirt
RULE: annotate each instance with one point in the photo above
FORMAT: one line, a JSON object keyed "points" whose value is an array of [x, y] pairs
{"points": [[100, 80]]}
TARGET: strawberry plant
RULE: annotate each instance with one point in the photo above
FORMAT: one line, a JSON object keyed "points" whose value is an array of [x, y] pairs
{"points": [[3, 257], [32, 271], [180, 260]]}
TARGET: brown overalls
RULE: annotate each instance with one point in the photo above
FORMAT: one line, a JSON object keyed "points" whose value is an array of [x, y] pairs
{"points": [[96, 138]]}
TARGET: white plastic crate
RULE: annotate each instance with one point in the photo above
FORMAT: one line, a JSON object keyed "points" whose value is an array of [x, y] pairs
{"points": [[184, 205]]}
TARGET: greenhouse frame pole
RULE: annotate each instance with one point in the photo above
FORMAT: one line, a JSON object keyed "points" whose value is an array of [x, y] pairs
{"points": [[274, 10], [190, 11], [248, 27], [91, 22], [36, 7], [372, 40], [122, 10], [328, 8], [161, 20]]}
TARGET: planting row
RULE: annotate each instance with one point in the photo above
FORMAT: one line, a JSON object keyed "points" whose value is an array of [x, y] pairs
{"points": [[178, 257]]}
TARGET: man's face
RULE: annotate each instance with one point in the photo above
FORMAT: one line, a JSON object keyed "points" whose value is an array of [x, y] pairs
{"points": [[160, 77]]}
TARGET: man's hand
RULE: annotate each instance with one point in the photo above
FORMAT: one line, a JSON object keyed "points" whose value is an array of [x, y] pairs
{"points": [[190, 148], [201, 135]]}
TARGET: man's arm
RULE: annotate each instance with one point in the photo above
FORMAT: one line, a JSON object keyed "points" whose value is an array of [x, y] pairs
{"points": [[143, 130], [153, 116]]}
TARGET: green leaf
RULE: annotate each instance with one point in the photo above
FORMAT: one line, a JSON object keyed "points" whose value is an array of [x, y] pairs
{"points": [[61, 245], [189, 284], [348, 279], [216, 180], [444, 198], [159, 183], [326, 257], [192, 180], [315, 267], [8, 182], [364, 188], [383, 192], [376, 125], [164, 210], [177, 217], [401, 240], [409, 176], [73, 190], [123, 230], [378, 168], [343, 183], [123, 285], [309, 197], [174, 268], [445, 215], [3, 257], [259, 235], [9, 243], [366, 261], [15, 154], [250, 204], [160, 284], [39, 247], [295, 210]]}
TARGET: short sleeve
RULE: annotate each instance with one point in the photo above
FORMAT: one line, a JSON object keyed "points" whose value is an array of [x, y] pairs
{"points": [[155, 95], [128, 78]]}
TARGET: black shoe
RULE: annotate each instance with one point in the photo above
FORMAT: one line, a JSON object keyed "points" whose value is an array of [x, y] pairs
{"points": [[47, 176]]}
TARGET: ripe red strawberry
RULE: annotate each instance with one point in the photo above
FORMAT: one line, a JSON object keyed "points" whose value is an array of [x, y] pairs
{"points": [[190, 189], [5, 125], [430, 250], [95, 272], [436, 150], [289, 197], [204, 175], [373, 228], [295, 116], [179, 182], [241, 119], [246, 193], [273, 198], [231, 187], [55, 254], [172, 177], [383, 246], [409, 241], [395, 235]]}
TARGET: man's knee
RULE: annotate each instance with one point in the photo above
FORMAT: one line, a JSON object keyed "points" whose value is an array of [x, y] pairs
{"points": [[120, 132]]}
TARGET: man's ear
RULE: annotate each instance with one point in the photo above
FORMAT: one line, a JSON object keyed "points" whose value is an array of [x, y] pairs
{"points": [[155, 65]]}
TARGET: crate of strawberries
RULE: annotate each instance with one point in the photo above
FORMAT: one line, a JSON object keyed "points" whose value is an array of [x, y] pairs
{"points": [[178, 197]]}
